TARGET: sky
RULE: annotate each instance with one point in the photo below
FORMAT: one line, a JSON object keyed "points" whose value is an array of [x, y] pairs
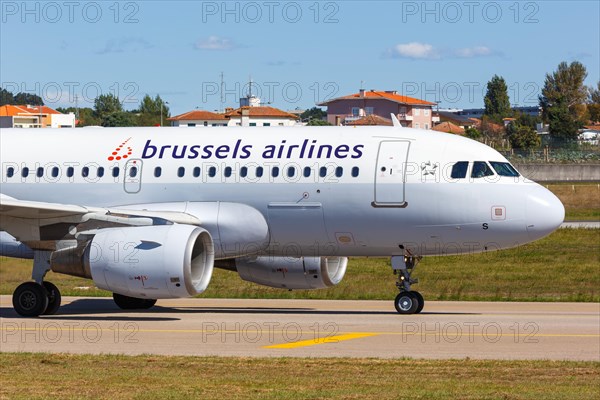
{"points": [[297, 53]]}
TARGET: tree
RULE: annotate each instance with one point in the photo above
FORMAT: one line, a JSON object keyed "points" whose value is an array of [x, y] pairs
{"points": [[472, 133], [6, 97], [313, 113], [565, 86], [85, 116], [106, 104], [28, 98], [496, 100], [522, 136], [528, 120], [593, 106], [150, 111], [119, 118], [317, 122], [563, 124]]}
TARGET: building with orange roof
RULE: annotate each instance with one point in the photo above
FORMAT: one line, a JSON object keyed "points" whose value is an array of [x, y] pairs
{"points": [[449, 127], [26, 116], [199, 118], [371, 120], [250, 113], [260, 116], [410, 111]]}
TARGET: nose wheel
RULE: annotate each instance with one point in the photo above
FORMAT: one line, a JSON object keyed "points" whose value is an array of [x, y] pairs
{"points": [[407, 301]]}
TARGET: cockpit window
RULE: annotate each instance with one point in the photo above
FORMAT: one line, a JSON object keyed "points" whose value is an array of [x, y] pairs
{"points": [[504, 168], [459, 170], [481, 169]]}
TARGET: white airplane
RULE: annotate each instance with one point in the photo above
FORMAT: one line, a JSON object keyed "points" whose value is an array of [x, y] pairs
{"points": [[146, 213]]}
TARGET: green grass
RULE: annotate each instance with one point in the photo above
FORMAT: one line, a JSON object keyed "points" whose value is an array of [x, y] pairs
{"points": [[146, 377], [581, 200], [562, 267]]}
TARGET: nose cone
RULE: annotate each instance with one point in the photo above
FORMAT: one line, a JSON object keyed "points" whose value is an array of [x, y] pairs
{"points": [[544, 214]]}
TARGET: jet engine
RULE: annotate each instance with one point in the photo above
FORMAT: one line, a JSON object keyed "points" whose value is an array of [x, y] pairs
{"points": [[293, 273], [154, 262]]}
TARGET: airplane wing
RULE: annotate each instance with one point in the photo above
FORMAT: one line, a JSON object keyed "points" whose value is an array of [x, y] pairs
{"points": [[39, 224]]}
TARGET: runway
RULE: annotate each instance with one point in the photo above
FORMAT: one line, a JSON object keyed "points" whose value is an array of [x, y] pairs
{"points": [[311, 328]]}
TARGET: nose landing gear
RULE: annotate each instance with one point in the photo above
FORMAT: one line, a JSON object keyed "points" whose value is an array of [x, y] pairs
{"points": [[407, 301]]}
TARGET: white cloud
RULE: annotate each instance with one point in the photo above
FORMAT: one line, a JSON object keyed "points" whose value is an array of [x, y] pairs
{"points": [[470, 52], [426, 51], [215, 43], [415, 50], [125, 45]]}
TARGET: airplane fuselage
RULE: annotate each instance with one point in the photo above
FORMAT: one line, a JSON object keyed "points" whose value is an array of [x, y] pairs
{"points": [[323, 191]]}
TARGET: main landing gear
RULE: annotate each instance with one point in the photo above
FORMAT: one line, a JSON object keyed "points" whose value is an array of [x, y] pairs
{"points": [[32, 299], [407, 301]]}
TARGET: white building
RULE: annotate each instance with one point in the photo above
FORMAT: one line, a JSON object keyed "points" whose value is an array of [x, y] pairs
{"points": [[199, 118], [250, 113], [26, 116]]}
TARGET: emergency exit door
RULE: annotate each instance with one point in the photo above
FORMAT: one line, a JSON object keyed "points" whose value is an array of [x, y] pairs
{"points": [[133, 176]]}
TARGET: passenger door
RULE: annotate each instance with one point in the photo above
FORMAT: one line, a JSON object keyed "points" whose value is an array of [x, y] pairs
{"points": [[390, 173]]}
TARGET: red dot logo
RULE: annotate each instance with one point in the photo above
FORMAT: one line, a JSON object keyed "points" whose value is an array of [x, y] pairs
{"points": [[120, 153]]}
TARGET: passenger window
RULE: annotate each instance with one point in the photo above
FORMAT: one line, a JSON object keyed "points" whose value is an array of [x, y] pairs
{"points": [[196, 172], [227, 172], [307, 172], [115, 172], [133, 172], [459, 170], [40, 172], [181, 172], [291, 172], [355, 172], [85, 172], [244, 172], [25, 172], [339, 172], [10, 172], [275, 172], [71, 172], [259, 172], [100, 172], [157, 172], [323, 172], [55, 172], [504, 169], [481, 169], [212, 172]]}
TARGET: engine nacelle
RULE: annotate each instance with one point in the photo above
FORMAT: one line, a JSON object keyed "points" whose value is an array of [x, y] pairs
{"points": [[155, 262], [293, 273]]}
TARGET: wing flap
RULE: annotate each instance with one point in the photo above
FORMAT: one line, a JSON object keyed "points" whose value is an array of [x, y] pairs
{"points": [[39, 223]]}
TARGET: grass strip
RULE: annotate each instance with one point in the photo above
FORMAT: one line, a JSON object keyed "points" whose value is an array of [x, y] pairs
{"points": [[37, 376]]}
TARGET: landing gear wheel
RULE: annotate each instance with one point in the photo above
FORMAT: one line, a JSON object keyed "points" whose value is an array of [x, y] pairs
{"points": [[30, 299], [406, 303], [132, 303], [420, 300], [54, 298]]}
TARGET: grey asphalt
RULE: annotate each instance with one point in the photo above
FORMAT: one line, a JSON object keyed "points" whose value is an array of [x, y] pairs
{"points": [[313, 328]]}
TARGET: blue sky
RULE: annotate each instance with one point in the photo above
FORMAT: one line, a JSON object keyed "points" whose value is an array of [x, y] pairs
{"points": [[298, 53]]}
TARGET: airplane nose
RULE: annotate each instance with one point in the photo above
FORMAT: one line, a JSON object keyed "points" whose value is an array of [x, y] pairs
{"points": [[545, 212]]}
